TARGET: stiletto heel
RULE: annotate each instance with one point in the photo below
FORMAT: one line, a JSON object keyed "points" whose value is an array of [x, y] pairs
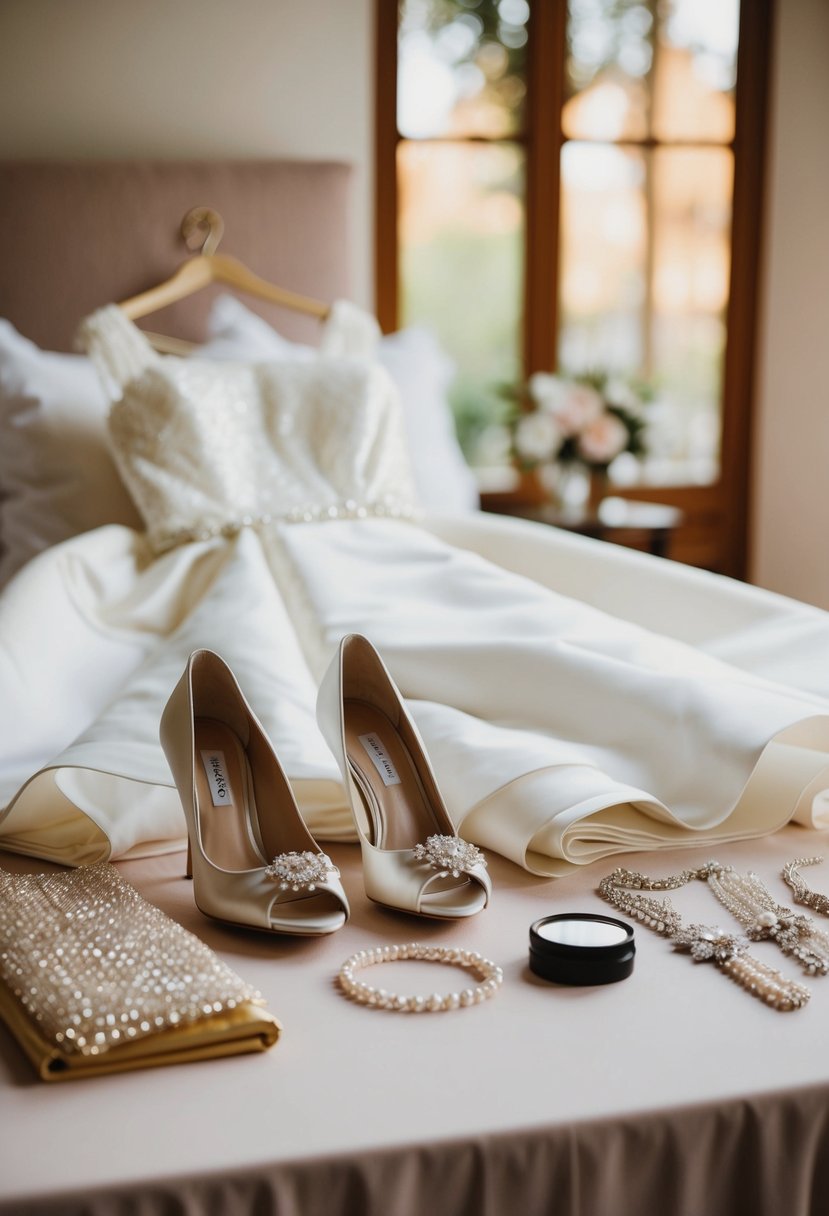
{"points": [[413, 858], [240, 811]]}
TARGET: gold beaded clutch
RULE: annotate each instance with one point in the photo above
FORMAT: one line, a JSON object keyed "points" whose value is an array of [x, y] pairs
{"points": [[93, 979]]}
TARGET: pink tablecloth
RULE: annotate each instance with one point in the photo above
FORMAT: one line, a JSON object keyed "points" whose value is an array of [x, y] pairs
{"points": [[674, 1092]]}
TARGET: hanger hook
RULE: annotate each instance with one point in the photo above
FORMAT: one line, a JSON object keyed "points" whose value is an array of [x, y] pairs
{"points": [[205, 221]]}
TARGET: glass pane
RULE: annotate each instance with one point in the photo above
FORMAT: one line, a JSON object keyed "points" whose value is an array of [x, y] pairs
{"points": [[696, 69], [692, 191], [603, 239], [461, 251], [461, 67], [616, 86], [645, 255], [609, 56]]}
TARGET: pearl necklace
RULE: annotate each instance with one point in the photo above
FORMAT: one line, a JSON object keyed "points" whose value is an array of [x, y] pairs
{"points": [[762, 917], [482, 968], [802, 893], [728, 952]]}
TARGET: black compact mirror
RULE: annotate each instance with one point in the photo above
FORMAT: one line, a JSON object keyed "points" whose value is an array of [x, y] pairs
{"points": [[581, 948]]}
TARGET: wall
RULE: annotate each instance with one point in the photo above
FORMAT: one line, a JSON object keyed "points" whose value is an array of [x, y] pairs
{"points": [[790, 551], [197, 78]]}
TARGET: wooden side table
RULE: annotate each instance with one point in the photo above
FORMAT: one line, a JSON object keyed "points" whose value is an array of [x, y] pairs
{"points": [[638, 525]]}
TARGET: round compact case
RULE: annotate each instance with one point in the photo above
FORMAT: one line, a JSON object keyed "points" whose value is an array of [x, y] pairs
{"points": [[581, 948]]}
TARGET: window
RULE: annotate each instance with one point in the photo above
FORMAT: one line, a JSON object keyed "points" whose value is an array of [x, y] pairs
{"points": [[576, 185]]}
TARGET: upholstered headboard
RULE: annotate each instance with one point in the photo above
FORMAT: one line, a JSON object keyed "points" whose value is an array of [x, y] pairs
{"points": [[77, 235]]}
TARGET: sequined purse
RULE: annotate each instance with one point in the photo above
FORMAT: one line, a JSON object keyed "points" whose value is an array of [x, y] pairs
{"points": [[94, 979]]}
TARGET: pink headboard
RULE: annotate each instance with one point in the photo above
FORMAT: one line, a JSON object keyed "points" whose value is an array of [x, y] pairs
{"points": [[74, 236]]}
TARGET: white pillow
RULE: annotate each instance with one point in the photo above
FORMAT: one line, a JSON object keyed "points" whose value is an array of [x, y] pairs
{"points": [[423, 372], [57, 476], [234, 332], [420, 369]]}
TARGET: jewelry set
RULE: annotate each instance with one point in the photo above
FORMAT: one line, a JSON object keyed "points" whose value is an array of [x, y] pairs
{"points": [[744, 895], [752, 904]]}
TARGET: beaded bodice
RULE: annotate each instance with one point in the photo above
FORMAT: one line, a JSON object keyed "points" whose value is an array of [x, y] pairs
{"points": [[208, 447]]}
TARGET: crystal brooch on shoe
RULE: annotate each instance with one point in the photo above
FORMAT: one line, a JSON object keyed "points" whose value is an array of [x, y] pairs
{"points": [[449, 855], [301, 871]]}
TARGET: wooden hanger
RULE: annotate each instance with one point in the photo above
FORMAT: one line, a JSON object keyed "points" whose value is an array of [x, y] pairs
{"points": [[211, 267]]}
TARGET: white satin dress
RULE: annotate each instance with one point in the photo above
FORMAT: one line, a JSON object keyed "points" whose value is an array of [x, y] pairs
{"points": [[280, 515]]}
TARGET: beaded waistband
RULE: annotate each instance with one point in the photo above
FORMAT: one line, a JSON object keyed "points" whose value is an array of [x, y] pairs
{"points": [[388, 508]]}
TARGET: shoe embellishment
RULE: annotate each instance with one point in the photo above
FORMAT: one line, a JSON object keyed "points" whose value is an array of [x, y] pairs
{"points": [[449, 855], [301, 871]]}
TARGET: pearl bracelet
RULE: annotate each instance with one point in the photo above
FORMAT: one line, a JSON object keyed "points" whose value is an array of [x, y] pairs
{"points": [[482, 968]]}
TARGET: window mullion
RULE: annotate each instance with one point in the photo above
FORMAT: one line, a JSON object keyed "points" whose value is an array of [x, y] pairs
{"points": [[545, 71], [753, 70], [386, 253]]}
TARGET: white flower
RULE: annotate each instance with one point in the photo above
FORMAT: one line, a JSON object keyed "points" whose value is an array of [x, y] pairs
{"points": [[603, 439], [538, 437], [547, 391]]}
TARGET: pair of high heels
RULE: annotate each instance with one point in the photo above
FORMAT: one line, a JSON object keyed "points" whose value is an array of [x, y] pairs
{"points": [[253, 860]]}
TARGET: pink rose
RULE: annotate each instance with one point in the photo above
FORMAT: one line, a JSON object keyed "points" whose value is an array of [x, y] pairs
{"points": [[577, 409], [603, 439]]}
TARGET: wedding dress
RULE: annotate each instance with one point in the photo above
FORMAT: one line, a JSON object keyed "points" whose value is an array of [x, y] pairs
{"points": [[280, 515]]}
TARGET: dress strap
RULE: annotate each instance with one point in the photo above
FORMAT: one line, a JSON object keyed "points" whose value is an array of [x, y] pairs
{"points": [[116, 346], [349, 331]]}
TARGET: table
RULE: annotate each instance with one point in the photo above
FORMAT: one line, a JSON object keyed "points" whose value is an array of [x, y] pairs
{"points": [[672, 1092], [620, 520]]}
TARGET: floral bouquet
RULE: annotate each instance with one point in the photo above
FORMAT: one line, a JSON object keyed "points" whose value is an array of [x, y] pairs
{"points": [[587, 421]]}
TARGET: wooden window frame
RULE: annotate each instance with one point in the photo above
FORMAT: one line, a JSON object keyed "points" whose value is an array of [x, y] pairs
{"points": [[715, 532]]}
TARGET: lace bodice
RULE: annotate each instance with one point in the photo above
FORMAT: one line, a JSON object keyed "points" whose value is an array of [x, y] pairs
{"points": [[207, 447]]}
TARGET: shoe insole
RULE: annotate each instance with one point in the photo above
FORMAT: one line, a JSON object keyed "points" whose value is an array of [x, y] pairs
{"points": [[227, 812], [225, 793], [399, 812]]}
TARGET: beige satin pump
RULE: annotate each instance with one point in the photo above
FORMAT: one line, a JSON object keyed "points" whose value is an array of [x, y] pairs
{"points": [[413, 858], [251, 857]]}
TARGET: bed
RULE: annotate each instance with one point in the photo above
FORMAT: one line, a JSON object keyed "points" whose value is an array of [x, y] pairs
{"points": [[671, 1092]]}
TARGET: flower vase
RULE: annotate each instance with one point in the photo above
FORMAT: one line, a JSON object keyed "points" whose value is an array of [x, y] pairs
{"points": [[567, 486]]}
